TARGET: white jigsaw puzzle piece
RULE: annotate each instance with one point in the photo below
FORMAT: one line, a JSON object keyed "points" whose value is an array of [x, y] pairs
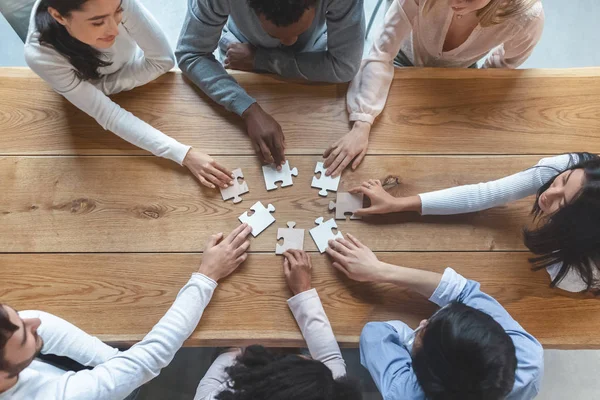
{"points": [[324, 183], [323, 233], [272, 176], [292, 238], [234, 191], [346, 203], [260, 220]]}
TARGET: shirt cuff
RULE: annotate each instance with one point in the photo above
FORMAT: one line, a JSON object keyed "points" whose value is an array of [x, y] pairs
{"points": [[242, 102], [300, 298], [449, 289], [178, 152], [368, 118], [196, 276], [432, 203]]}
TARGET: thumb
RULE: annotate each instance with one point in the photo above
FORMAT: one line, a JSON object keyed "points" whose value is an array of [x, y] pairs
{"points": [[214, 239], [363, 211]]}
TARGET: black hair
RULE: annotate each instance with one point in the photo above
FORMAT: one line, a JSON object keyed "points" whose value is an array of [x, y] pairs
{"points": [[570, 236], [464, 354], [262, 374], [83, 57], [282, 12], [7, 329]]}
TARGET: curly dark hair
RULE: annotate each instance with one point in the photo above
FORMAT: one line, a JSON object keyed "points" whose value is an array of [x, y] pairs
{"points": [[571, 235], [465, 355], [262, 374], [282, 12]]}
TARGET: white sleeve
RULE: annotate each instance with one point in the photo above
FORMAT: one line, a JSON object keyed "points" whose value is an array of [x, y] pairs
{"points": [[62, 338], [368, 91], [317, 332], [215, 380], [60, 74], [481, 196], [119, 376], [157, 57]]}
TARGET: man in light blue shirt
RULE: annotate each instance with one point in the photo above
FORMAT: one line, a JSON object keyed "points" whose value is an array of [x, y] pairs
{"points": [[469, 349]]}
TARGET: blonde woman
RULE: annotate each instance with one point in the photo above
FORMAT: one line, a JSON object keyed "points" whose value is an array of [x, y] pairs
{"points": [[433, 33]]}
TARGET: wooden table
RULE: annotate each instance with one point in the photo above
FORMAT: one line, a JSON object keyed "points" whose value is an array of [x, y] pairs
{"points": [[104, 235]]}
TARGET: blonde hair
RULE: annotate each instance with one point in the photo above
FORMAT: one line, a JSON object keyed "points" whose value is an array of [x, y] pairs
{"points": [[497, 11]]}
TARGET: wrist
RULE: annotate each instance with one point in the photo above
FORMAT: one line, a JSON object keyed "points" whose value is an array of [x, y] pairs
{"points": [[412, 203], [186, 158], [385, 272], [297, 291], [251, 111], [362, 127], [209, 273]]}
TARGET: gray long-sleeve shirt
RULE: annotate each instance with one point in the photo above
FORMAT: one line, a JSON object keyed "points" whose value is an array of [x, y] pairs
{"points": [[341, 22]]}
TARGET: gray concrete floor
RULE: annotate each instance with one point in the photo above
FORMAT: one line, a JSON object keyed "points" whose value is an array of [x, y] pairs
{"points": [[570, 40]]}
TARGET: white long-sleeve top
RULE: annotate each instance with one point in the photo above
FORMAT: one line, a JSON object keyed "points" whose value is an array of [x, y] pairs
{"points": [[421, 34], [115, 374], [316, 330], [140, 54], [481, 196]]}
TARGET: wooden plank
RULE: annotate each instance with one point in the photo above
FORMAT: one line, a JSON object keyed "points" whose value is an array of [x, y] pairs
{"points": [[124, 295], [429, 111], [140, 204]]}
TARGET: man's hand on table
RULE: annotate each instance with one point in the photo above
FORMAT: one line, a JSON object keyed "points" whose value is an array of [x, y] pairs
{"points": [[240, 56], [352, 146], [297, 268], [207, 171], [222, 256], [266, 135]]}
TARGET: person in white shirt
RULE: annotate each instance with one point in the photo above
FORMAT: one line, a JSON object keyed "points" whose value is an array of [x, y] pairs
{"points": [[258, 373], [566, 237], [25, 334], [433, 33], [90, 49]]}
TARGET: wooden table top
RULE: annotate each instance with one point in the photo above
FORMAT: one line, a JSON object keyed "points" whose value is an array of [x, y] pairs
{"points": [[104, 234]]}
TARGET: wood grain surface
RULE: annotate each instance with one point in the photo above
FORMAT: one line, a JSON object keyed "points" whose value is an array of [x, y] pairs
{"points": [[94, 204], [102, 234], [429, 112], [132, 292]]}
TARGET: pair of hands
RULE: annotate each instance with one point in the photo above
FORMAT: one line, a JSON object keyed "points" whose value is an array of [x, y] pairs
{"points": [[349, 256], [223, 255]]}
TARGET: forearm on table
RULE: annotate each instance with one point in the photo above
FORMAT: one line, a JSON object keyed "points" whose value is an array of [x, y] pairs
{"points": [[420, 281], [407, 204], [123, 373]]}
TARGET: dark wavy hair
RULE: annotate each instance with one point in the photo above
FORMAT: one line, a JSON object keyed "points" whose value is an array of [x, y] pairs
{"points": [[262, 374], [464, 354], [83, 57], [570, 236], [282, 12], [7, 329]]}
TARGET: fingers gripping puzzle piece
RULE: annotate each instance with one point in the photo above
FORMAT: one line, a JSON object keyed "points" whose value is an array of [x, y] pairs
{"points": [[323, 182], [292, 238], [272, 176], [260, 220], [234, 191], [346, 203], [324, 232]]}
